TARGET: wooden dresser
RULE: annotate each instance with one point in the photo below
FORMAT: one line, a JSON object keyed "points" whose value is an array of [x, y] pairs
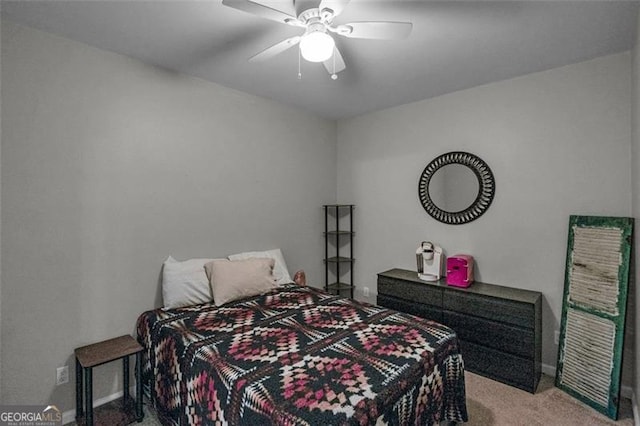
{"points": [[499, 328]]}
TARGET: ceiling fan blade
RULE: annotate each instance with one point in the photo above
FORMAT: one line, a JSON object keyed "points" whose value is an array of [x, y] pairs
{"points": [[260, 10], [276, 49], [376, 30], [336, 6], [337, 66]]}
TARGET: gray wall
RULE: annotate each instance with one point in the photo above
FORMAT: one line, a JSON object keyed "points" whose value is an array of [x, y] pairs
{"points": [[108, 167], [558, 143], [635, 196], [0, 206]]}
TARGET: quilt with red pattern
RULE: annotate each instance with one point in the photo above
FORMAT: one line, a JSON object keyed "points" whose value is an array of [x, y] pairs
{"points": [[299, 356]]}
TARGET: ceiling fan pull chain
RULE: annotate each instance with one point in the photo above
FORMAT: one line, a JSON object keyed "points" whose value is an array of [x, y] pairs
{"points": [[299, 72], [334, 76]]}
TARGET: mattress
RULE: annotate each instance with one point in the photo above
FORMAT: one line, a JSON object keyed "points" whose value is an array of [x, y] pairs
{"points": [[299, 356]]}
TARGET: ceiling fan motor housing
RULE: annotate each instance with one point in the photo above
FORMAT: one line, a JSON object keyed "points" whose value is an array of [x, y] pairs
{"points": [[316, 27], [315, 15], [302, 6]]}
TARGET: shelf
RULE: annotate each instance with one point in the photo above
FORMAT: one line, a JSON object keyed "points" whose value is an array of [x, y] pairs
{"points": [[338, 247], [339, 233], [339, 259], [339, 286]]}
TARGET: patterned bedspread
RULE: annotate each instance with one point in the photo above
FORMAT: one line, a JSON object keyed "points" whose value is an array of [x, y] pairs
{"points": [[298, 356]]}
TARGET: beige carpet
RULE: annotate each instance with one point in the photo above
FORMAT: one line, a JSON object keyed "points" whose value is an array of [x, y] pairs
{"points": [[493, 403]]}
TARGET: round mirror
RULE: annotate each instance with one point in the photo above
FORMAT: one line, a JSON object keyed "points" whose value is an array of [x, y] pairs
{"points": [[456, 188], [453, 187]]}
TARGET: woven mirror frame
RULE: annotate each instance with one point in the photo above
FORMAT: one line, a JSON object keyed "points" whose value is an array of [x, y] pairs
{"points": [[486, 188]]}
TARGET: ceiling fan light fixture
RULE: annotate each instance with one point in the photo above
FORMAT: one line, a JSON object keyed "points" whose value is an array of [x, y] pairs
{"points": [[316, 45]]}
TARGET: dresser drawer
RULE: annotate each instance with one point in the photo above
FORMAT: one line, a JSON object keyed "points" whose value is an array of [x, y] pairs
{"points": [[499, 328], [510, 312], [505, 338], [421, 310], [510, 369], [419, 293]]}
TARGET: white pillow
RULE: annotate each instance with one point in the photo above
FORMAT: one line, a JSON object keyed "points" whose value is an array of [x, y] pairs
{"points": [[184, 283], [232, 280], [280, 269]]}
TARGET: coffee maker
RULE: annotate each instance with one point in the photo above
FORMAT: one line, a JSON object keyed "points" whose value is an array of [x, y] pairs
{"points": [[429, 259]]}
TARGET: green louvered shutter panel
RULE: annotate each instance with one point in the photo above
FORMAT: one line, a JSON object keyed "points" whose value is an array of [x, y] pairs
{"points": [[593, 312]]}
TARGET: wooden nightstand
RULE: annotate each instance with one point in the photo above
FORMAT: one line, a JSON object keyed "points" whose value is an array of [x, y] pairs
{"points": [[100, 353]]}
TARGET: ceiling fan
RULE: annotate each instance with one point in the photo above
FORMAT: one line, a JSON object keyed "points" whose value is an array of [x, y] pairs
{"points": [[317, 43]]}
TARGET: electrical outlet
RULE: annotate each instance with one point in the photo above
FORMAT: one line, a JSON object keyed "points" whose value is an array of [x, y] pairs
{"points": [[556, 337], [62, 375], [365, 291]]}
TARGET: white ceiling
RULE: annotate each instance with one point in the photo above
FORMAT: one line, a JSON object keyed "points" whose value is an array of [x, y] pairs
{"points": [[454, 45]]}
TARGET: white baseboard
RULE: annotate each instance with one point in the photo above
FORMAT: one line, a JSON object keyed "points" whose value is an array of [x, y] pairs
{"points": [[70, 415], [549, 370], [625, 391]]}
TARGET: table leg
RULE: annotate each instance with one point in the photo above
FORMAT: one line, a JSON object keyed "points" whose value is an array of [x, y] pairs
{"points": [[88, 388], [79, 402], [139, 413], [125, 380]]}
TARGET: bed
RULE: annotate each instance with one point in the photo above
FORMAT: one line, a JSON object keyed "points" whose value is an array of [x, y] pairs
{"points": [[299, 356]]}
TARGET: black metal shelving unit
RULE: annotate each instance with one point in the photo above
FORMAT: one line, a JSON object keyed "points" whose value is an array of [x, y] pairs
{"points": [[334, 236]]}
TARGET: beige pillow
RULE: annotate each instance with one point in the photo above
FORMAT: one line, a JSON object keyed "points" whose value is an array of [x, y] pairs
{"points": [[280, 270], [232, 280]]}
